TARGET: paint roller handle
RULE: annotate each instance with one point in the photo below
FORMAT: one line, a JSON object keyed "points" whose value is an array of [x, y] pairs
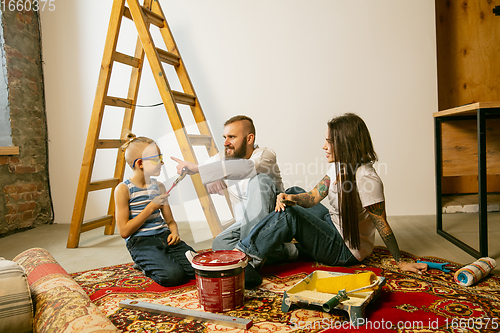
{"points": [[335, 300], [374, 284], [342, 296]]}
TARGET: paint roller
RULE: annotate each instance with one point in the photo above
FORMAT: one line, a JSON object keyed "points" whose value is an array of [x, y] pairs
{"points": [[366, 281], [334, 284], [472, 273]]}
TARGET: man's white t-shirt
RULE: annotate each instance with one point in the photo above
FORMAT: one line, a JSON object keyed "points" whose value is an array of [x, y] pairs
{"points": [[370, 191], [236, 173]]}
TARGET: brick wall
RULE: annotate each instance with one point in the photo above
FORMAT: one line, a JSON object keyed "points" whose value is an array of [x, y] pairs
{"points": [[25, 200]]}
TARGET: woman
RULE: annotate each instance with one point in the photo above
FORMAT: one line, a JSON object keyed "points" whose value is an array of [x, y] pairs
{"points": [[345, 235]]}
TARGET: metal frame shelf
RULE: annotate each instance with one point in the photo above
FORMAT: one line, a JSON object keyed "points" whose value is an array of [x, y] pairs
{"points": [[480, 112]]}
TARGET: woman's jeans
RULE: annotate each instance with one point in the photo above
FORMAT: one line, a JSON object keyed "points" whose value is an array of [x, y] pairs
{"points": [[311, 227], [166, 264]]}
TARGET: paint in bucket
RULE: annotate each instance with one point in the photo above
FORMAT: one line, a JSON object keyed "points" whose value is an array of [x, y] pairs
{"points": [[220, 279]]}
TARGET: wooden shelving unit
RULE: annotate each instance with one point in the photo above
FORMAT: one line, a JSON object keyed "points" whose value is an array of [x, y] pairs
{"points": [[458, 155], [467, 127]]}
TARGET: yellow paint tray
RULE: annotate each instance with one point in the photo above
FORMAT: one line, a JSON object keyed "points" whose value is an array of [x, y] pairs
{"points": [[305, 292]]}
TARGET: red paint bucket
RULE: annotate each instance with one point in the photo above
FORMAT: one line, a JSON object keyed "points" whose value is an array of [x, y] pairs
{"points": [[220, 279]]}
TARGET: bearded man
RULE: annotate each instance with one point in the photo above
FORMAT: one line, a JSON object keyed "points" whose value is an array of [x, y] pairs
{"points": [[252, 177]]}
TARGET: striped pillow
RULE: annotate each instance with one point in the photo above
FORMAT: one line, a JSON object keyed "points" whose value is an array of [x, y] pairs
{"points": [[16, 309]]}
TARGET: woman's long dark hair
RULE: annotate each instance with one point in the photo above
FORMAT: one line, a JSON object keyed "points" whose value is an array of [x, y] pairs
{"points": [[351, 146]]}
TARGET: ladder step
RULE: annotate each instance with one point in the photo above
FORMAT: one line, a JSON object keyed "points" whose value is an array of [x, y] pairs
{"points": [[168, 57], [109, 143], [103, 184], [118, 102], [96, 223], [151, 17], [183, 98], [200, 140], [126, 59]]}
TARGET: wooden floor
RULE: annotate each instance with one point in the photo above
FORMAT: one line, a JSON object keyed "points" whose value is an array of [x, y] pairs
{"points": [[415, 234]]}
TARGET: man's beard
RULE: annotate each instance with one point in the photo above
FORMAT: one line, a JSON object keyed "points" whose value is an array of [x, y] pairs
{"points": [[238, 153]]}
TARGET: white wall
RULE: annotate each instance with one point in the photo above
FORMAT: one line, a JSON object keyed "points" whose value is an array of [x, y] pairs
{"points": [[290, 65]]}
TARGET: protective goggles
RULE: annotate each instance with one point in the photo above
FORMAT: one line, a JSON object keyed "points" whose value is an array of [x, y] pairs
{"points": [[155, 160]]}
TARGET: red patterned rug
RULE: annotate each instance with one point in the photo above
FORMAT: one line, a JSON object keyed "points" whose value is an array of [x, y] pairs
{"points": [[408, 302]]}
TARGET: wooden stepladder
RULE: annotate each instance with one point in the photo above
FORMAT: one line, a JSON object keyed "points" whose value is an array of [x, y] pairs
{"points": [[143, 16]]}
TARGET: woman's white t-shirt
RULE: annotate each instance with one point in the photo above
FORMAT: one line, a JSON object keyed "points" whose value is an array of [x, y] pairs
{"points": [[370, 191]]}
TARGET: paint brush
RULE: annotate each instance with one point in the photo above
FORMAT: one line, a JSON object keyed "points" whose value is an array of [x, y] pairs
{"points": [[177, 181]]}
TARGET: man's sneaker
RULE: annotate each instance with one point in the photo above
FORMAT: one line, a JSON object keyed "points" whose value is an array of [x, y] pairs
{"points": [[252, 277]]}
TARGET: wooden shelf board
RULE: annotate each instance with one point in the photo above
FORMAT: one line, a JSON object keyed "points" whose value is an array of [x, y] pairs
{"points": [[466, 110]]}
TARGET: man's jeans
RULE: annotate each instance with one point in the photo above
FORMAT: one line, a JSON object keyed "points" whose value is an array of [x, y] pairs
{"points": [[260, 200], [166, 264], [311, 227]]}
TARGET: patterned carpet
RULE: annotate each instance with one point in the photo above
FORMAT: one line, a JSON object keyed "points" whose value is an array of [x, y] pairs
{"points": [[408, 302]]}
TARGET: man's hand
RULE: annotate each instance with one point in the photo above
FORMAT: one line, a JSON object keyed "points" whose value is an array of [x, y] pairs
{"points": [[190, 166], [217, 187]]}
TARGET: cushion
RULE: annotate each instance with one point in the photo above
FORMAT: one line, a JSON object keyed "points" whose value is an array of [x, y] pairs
{"points": [[16, 308]]}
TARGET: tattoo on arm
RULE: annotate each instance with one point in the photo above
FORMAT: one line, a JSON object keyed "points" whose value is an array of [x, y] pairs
{"points": [[305, 199], [323, 187], [377, 213], [313, 197]]}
